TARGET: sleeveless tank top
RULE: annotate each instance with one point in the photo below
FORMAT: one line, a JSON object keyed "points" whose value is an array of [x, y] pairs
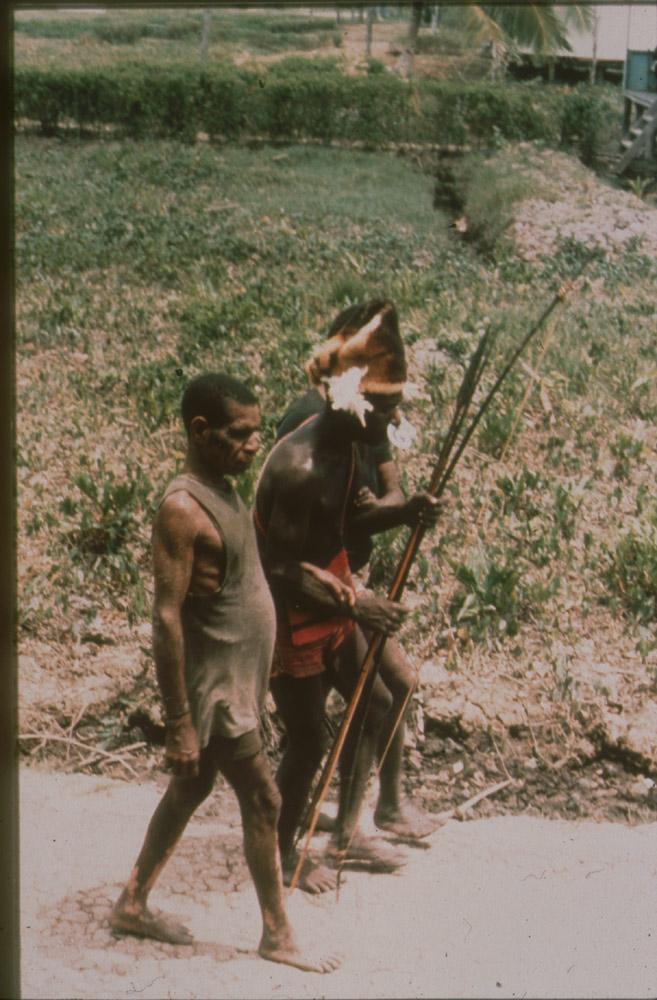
{"points": [[229, 634]]}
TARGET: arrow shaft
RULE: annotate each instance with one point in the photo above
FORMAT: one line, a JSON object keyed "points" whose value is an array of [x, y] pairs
{"points": [[447, 459]]}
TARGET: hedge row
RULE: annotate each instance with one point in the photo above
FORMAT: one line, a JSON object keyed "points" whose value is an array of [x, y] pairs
{"points": [[303, 102]]}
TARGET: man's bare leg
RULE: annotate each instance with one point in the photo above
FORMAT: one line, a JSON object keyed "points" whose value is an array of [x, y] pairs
{"points": [[300, 703], [259, 801], [355, 767], [392, 814], [131, 914]]}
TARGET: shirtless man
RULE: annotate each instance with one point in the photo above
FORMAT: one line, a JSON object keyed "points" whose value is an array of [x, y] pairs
{"points": [[379, 494], [213, 636], [306, 495]]}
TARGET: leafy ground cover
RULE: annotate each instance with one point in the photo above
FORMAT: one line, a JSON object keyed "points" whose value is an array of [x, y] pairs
{"points": [[58, 38], [140, 264]]}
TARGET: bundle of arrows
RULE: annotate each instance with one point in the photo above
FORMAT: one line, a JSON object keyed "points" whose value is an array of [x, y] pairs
{"points": [[457, 436]]}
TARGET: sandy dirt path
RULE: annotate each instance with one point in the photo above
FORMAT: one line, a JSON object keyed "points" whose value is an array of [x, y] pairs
{"points": [[504, 907]]}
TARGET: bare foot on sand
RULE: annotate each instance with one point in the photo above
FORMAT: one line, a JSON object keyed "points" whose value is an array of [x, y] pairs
{"points": [[314, 878], [367, 854], [286, 951], [407, 824], [144, 923]]}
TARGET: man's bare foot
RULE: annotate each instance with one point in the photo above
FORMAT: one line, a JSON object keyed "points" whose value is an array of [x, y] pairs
{"points": [[408, 825], [285, 950], [147, 924], [367, 854], [313, 878]]}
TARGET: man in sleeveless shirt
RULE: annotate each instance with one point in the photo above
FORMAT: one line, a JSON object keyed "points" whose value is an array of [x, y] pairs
{"points": [[378, 491], [306, 495], [213, 636]]}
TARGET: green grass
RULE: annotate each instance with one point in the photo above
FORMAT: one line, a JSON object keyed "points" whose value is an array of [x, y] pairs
{"points": [[161, 36], [140, 264]]}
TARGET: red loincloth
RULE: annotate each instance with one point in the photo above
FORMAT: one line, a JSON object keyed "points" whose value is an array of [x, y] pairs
{"points": [[303, 641]]}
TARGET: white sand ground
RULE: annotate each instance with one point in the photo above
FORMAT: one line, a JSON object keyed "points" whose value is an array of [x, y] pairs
{"points": [[504, 907]]}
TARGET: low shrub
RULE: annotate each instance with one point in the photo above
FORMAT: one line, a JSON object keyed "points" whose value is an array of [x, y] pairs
{"points": [[302, 98], [630, 572], [488, 600], [156, 388], [100, 525], [582, 123]]}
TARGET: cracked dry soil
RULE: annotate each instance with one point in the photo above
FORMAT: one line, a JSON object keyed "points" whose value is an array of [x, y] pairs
{"points": [[506, 906]]}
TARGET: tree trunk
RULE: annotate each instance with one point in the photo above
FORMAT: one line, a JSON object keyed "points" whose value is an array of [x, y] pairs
{"points": [[368, 35], [205, 34], [408, 58], [594, 54], [498, 61]]}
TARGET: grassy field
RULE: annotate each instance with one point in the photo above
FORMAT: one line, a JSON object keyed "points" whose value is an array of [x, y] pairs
{"points": [[164, 36], [141, 263]]}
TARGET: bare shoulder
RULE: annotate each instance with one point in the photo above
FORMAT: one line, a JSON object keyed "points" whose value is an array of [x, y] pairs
{"points": [[179, 518], [290, 465]]}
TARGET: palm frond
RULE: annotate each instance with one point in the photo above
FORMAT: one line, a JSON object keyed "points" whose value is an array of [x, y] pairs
{"points": [[480, 26], [540, 27], [537, 26], [577, 15]]}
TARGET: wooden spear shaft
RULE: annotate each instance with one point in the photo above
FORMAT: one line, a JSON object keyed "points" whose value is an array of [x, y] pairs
{"points": [[441, 475], [372, 657], [558, 298]]}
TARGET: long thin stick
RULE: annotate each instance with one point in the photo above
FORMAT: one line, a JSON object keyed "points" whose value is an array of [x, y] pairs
{"points": [[471, 380], [520, 410], [556, 300], [375, 649], [559, 297], [486, 793], [442, 472], [530, 385], [409, 694], [96, 751]]}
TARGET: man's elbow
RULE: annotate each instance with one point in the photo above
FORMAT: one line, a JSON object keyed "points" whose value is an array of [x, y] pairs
{"points": [[166, 619]]}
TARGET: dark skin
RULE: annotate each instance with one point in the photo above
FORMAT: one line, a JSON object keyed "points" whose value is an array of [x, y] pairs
{"points": [[188, 557], [397, 673], [301, 498]]}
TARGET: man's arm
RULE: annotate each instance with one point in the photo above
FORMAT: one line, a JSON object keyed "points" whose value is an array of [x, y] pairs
{"points": [[299, 581], [291, 575], [371, 514], [174, 534]]}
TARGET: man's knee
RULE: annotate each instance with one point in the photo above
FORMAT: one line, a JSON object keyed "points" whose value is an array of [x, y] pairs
{"points": [[401, 686], [262, 803], [189, 793], [380, 707], [397, 672]]}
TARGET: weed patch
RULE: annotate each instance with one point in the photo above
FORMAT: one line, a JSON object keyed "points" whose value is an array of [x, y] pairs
{"points": [[630, 572]]}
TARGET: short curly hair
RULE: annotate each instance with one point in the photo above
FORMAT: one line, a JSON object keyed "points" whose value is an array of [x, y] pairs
{"points": [[206, 395]]}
